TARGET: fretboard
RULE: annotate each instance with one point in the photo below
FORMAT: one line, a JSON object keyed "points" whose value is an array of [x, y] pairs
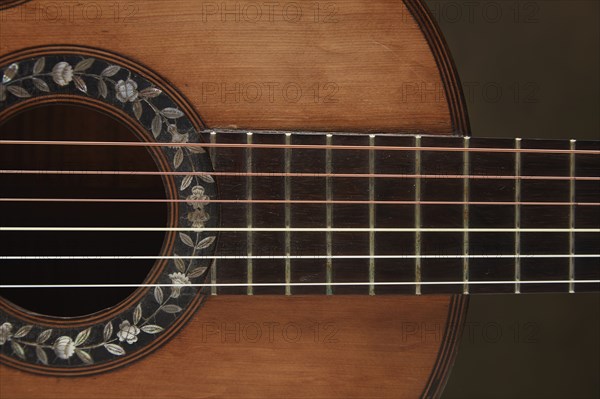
{"points": [[393, 214]]}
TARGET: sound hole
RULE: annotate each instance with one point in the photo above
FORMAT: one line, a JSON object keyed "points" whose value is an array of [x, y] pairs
{"points": [[71, 122]]}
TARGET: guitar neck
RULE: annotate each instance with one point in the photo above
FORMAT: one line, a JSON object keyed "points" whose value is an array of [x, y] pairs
{"points": [[383, 214]]}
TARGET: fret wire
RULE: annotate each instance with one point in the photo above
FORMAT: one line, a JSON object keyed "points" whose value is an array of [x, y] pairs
{"points": [[291, 174], [466, 215], [212, 152], [249, 216], [417, 216], [329, 214], [298, 146], [517, 216], [379, 283], [372, 216], [573, 145], [288, 215]]}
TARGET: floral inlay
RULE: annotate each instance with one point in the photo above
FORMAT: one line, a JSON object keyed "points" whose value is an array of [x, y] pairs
{"points": [[159, 115]]}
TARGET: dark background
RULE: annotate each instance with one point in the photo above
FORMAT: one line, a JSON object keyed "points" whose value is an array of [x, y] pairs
{"points": [[529, 69]]}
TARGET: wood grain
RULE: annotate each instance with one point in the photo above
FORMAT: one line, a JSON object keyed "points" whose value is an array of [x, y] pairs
{"points": [[377, 347], [378, 66], [360, 65]]}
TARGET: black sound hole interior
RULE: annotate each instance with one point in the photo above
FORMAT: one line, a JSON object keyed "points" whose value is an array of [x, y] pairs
{"points": [[71, 122]]}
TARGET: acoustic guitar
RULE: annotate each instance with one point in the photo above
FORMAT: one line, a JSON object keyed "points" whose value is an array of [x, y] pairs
{"points": [[260, 199]]}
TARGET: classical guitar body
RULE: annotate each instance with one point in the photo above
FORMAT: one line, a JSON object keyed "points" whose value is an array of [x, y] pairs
{"points": [[250, 290]]}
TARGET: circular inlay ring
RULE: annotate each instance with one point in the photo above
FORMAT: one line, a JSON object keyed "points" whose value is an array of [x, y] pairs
{"points": [[152, 315]]}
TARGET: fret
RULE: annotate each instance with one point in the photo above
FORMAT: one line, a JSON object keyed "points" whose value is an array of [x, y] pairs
{"points": [[573, 146], [389, 216], [372, 215], [466, 170], [271, 245], [587, 217], [449, 244], [545, 216], [351, 216], [431, 256], [249, 216], [417, 216], [517, 217], [233, 215], [213, 157], [288, 215], [308, 215], [329, 213], [492, 216]]}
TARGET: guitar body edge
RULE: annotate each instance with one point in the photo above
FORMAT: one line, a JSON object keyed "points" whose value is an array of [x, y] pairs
{"points": [[296, 347]]}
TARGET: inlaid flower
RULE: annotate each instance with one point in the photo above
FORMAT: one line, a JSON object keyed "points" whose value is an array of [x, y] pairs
{"points": [[197, 195], [64, 347], [198, 218], [180, 280], [176, 136], [128, 332], [5, 332], [126, 91], [62, 73]]}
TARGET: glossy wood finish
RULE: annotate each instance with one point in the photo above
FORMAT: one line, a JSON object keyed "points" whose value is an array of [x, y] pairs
{"points": [[256, 347], [382, 69], [359, 64]]}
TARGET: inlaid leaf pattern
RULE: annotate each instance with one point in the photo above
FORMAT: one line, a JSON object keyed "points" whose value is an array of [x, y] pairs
{"points": [[205, 243], [17, 349], [150, 92], [83, 336], [114, 84], [23, 331], [84, 65], [152, 329], [110, 71], [186, 239], [186, 182], [40, 84], [84, 356], [137, 314], [115, 349], [80, 84], [102, 88], [197, 272], [107, 331], [158, 295], [18, 91], [39, 66], [171, 309], [44, 336], [172, 113], [41, 355]]}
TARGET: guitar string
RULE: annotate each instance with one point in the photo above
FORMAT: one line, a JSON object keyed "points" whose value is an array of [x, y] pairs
{"points": [[304, 284], [297, 146], [388, 148], [302, 229], [292, 174], [308, 202], [299, 257]]}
